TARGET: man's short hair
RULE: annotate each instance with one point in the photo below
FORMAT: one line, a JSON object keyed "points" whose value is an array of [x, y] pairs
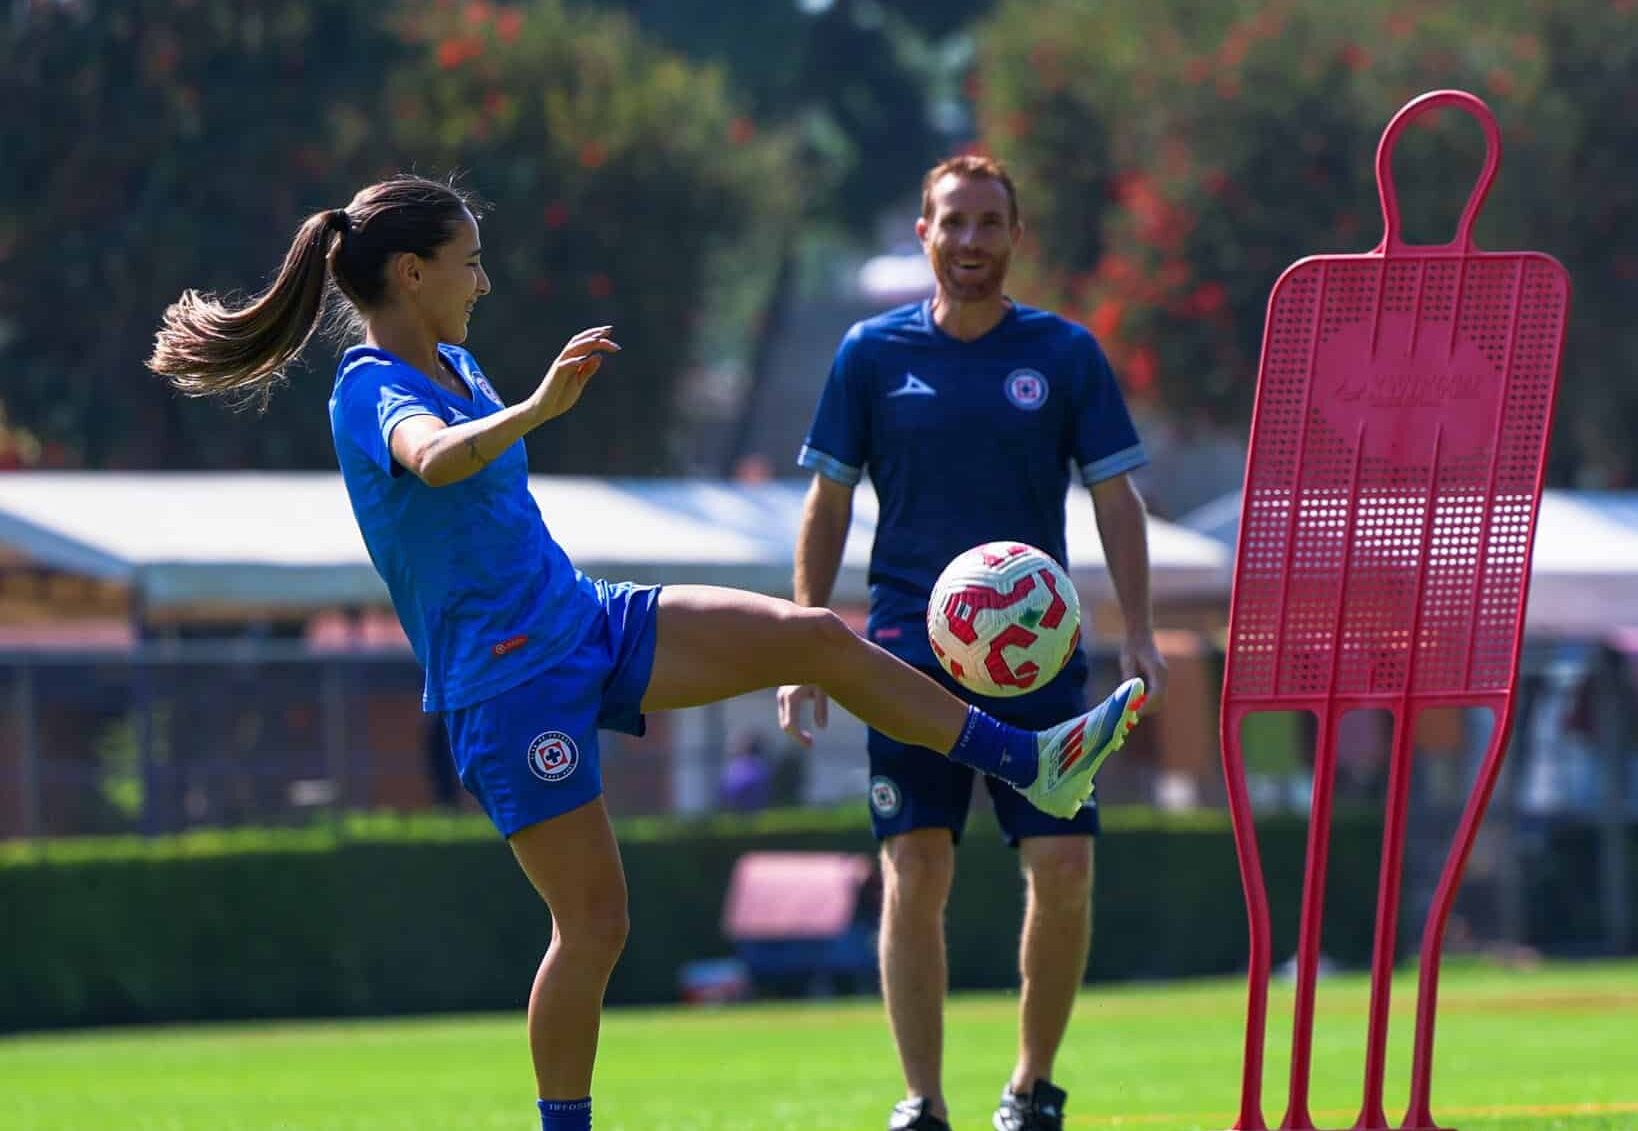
{"points": [[969, 165]]}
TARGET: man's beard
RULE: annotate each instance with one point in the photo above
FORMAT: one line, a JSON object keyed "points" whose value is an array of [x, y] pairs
{"points": [[986, 286]]}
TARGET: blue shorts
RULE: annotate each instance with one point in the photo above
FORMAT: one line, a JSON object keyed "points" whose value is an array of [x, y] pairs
{"points": [[530, 753], [912, 787]]}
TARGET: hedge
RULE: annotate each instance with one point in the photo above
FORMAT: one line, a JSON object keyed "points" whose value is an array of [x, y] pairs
{"points": [[394, 915]]}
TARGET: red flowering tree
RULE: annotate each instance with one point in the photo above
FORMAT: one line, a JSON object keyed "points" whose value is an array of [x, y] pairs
{"points": [[151, 146], [160, 144], [1176, 157], [623, 181]]}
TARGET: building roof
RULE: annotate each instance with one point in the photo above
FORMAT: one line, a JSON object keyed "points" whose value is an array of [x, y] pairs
{"points": [[288, 540]]}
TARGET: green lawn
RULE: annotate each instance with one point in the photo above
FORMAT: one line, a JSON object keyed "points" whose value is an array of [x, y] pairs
{"points": [[1518, 1050]]}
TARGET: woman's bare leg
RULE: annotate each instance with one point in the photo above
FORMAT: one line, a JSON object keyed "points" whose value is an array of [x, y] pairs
{"points": [[574, 863], [716, 643]]}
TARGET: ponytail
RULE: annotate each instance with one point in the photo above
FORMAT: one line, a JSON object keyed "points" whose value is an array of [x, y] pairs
{"points": [[205, 348]]}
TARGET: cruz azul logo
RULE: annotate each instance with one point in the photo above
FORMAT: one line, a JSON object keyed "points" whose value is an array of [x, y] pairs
{"points": [[1026, 389], [553, 756], [884, 796]]}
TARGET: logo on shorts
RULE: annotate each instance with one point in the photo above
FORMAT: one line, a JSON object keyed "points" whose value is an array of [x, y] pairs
{"points": [[510, 644], [553, 756], [884, 797], [1026, 389]]}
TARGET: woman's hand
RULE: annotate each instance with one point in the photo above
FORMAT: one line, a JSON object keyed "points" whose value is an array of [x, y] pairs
{"points": [[566, 379]]}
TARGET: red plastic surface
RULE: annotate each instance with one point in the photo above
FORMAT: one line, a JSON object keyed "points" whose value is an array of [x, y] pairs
{"points": [[1394, 476]]}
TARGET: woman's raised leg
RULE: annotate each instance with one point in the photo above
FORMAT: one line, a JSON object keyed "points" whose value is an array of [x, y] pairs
{"points": [[716, 643]]}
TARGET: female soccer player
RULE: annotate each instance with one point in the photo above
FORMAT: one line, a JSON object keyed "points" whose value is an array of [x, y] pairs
{"points": [[525, 657]]}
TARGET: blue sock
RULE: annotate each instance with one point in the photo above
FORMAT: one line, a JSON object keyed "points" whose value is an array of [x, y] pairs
{"points": [[565, 1115], [991, 746]]}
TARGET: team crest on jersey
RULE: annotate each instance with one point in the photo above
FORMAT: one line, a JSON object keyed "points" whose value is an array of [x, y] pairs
{"points": [[485, 387], [553, 756], [884, 797], [1026, 389]]}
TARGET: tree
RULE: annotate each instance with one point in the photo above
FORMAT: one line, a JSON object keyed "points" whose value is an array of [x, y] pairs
{"points": [[622, 179], [1178, 155], [848, 75], [149, 147], [160, 145]]}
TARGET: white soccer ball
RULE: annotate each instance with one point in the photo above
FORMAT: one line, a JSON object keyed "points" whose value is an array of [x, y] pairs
{"points": [[1003, 619]]}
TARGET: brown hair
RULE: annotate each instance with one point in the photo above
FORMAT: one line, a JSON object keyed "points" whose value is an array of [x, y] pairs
{"points": [[207, 348], [969, 165]]}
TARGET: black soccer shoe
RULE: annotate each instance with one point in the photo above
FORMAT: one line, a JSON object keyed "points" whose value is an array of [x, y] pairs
{"points": [[1041, 1110], [912, 1115]]}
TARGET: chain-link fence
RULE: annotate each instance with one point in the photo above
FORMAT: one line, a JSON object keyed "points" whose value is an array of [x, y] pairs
{"points": [[268, 732], [179, 735]]}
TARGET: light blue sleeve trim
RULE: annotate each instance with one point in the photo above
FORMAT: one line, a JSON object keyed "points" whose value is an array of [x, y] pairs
{"points": [[828, 466], [1127, 459], [402, 413], [358, 361], [390, 425]]}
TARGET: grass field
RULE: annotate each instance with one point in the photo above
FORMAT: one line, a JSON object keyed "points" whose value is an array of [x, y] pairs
{"points": [[1518, 1050]]}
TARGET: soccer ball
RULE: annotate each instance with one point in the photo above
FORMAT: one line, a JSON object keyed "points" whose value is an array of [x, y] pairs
{"points": [[1003, 619]]}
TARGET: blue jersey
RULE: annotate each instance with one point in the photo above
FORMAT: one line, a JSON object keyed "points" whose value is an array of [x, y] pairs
{"points": [[485, 595], [965, 442]]}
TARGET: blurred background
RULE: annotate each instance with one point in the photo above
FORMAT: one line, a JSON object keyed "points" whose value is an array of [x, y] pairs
{"points": [[191, 637]]}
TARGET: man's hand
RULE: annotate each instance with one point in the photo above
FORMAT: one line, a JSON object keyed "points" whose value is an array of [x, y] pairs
{"points": [[791, 698], [1140, 655]]}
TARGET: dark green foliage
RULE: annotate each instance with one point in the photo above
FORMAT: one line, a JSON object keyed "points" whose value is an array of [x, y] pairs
{"points": [[406, 915], [619, 175], [391, 916], [151, 147], [159, 145], [1176, 156], [854, 78]]}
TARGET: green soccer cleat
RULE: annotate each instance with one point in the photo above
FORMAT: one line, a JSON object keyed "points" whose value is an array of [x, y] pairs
{"points": [[1071, 752]]}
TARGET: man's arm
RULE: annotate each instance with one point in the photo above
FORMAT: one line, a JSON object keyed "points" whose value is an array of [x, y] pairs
{"points": [[826, 515], [1123, 528]]}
